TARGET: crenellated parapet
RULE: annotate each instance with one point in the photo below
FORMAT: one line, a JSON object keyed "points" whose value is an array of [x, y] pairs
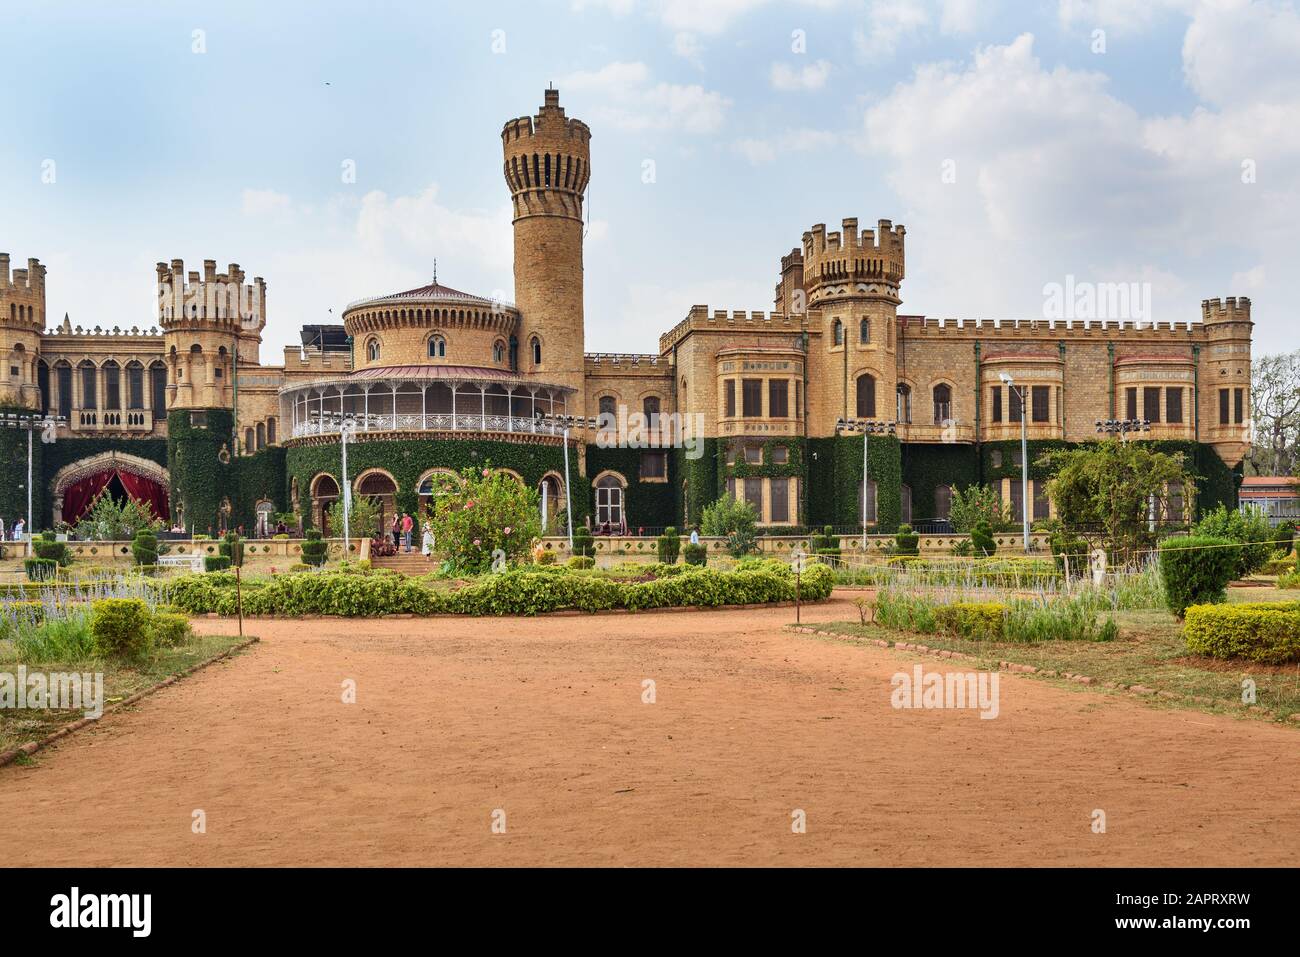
{"points": [[720, 320], [22, 295], [850, 262], [211, 300], [547, 161]]}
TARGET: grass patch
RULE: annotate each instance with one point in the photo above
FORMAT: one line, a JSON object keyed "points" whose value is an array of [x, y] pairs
{"points": [[1149, 651], [121, 680]]}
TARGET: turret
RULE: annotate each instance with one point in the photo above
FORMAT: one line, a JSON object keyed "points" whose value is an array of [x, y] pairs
{"points": [[547, 167], [22, 319]]}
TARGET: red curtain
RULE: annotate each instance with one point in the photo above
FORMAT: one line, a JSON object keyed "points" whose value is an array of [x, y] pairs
{"points": [[78, 496], [147, 492]]}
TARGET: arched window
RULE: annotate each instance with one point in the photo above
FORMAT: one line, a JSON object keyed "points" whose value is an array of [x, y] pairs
{"points": [[134, 385], [158, 390], [837, 332], [499, 352], [249, 444], [866, 396], [89, 392], [63, 383], [261, 435], [609, 503], [903, 412], [905, 504], [372, 350], [650, 406], [270, 430], [535, 345], [438, 347], [608, 414], [864, 331], [942, 404], [112, 385]]}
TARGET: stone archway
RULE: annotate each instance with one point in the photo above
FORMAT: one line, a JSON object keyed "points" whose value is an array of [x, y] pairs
{"points": [[106, 462]]}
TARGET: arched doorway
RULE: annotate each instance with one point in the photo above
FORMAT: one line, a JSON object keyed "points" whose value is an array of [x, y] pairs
{"points": [[434, 484], [324, 493], [380, 488], [79, 485], [552, 503], [611, 517]]}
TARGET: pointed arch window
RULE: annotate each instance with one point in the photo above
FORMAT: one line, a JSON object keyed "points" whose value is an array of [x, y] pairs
{"points": [[866, 406], [438, 348], [372, 350], [535, 345]]}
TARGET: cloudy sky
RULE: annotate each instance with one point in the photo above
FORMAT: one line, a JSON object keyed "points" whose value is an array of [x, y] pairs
{"points": [[1136, 141]]}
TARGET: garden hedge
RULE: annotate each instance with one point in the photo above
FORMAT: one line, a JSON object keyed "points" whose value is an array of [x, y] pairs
{"points": [[1265, 632], [1196, 570], [520, 592]]}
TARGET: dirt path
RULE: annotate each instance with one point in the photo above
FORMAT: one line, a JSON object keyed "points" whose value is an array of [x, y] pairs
{"points": [[544, 719]]}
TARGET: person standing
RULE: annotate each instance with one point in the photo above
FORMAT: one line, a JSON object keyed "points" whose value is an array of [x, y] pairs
{"points": [[695, 536], [18, 530], [396, 530], [426, 539], [408, 524], [2, 528]]}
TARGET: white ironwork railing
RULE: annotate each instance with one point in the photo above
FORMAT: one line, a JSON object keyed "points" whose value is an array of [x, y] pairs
{"points": [[435, 421]]}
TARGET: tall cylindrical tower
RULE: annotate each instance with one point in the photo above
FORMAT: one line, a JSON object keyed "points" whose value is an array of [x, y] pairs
{"points": [[547, 166], [22, 319]]}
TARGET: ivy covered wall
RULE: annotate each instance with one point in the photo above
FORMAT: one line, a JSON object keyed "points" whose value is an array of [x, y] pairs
{"points": [[649, 504], [13, 467], [926, 467], [199, 477], [835, 479], [793, 468], [260, 476], [407, 459], [701, 479]]}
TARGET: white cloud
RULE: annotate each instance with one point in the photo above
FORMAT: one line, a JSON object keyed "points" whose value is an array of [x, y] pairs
{"points": [[959, 16], [811, 77], [1236, 52], [628, 99], [687, 45], [708, 17], [759, 151], [1124, 16], [891, 21]]}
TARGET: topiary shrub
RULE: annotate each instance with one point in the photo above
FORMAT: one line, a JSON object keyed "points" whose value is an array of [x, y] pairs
{"points": [[669, 546], [981, 540], [40, 569], [216, 563], [1249, 528], [581, 562], [314, 549], [232, 547], [696, 554], [583, 542], [49, 547], [120, 628], [908, 541], [1266, 632], [1196, 570], [170, 629], [145, 547]]}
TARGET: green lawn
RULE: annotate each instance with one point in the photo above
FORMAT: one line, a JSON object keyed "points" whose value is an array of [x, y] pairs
{"points": [[1149, 652], [120, 681]]}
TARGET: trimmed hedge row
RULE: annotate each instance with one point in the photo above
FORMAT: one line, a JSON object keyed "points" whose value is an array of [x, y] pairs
{"points": [[1266, 632], [522, 592]]}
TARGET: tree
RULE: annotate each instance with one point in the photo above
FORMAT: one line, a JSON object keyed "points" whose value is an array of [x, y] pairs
{"points": [[1106, 492], [1275, 413], [108, 520], [363, 517], [733, 519], [489, 511], [978, 503]]}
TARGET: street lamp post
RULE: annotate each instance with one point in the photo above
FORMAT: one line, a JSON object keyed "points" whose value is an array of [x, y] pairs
{"points": [[1024, 455], [31, 421], [347, 424], [566, 422], [867, 427]]}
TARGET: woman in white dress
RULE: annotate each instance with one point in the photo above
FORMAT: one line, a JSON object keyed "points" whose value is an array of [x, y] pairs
{"points": [[426, 539]]}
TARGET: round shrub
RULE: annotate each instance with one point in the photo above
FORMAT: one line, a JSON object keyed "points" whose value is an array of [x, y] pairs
{"points": [[581, 562], [908, 541], [170, 629], [1196, 570], [120, 627], [669, 546], [696, 554], [981, 539]]}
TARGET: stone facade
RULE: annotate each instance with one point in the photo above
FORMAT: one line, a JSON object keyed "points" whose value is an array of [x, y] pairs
{"points": [[765, 395]]}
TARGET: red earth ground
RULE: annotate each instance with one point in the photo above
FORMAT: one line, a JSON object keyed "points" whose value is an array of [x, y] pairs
{"points": [[544, 720]]}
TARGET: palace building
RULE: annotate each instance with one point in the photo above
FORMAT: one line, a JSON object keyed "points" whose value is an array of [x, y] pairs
{"points": [[186, 414]]}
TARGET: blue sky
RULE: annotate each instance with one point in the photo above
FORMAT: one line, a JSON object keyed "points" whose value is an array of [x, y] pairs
{"points": [[1122, 165]]}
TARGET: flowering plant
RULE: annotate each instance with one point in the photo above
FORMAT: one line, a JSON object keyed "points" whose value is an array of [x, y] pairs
{"points": [[489, 511]]}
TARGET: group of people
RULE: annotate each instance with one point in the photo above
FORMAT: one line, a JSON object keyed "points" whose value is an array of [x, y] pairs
{"points": [[403, 530], [19, 529]]}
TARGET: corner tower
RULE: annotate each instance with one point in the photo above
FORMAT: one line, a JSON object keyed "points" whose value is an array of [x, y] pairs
{"points": [[22, 320], [547, 167]]}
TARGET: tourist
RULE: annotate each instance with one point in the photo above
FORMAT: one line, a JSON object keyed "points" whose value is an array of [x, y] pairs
{"points": [[18, 530], [426, 539], [408, 524], [695, 536], [2, 528], [396, 530]]}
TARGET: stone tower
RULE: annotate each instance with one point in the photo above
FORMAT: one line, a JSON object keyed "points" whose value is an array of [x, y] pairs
{"points": [[850, 281], [1225, 376], [206, 322], [22, 320], [547, 167]]}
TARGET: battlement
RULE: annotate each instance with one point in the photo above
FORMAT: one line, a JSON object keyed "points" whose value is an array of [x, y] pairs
{"points": [[1232, 309], [212, 296], [549, 123], [699, 318], [847, 255], [22, 294], [623, 359], [914, 326]]}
